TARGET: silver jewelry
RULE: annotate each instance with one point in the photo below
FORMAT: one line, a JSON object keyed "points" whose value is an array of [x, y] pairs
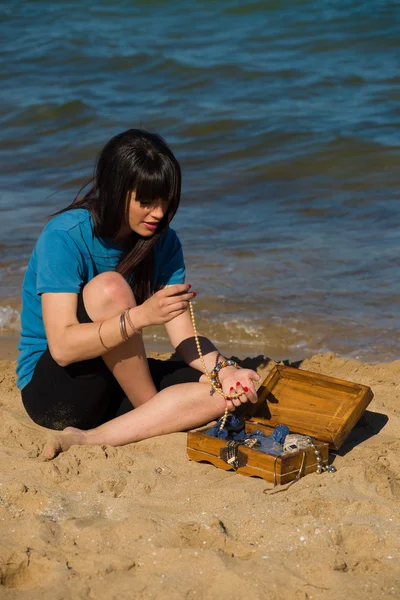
{"points": [[122, 328], [320, 466]]}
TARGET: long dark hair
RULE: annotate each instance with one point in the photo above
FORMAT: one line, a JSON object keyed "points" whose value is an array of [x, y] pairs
{"points": [[139, 161]]}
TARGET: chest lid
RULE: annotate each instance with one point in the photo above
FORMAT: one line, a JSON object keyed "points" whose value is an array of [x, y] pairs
{"points": [[310, 404]]}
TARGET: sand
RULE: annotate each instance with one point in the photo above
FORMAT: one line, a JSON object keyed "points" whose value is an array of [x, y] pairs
{"points": [[142, 521]]}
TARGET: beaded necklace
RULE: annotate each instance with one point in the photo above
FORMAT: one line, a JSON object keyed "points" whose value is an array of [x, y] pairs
{"points": [[207, 373]]}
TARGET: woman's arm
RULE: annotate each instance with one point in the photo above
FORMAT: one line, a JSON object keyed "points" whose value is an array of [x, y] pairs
{"points": [[181, 334], [70, 341]]}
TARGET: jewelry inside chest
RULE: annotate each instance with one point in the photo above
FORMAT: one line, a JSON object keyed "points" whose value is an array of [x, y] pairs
{"points": [[229, 455], [322, 408]]}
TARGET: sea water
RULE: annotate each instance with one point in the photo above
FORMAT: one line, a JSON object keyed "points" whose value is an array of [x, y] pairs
{"points": [[284, 116]]}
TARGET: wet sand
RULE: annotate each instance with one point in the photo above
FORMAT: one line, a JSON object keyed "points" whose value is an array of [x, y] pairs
{"points": [[142, 521], [8, 345]]}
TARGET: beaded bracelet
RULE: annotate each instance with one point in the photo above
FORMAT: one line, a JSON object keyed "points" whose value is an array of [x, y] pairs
{"points": [[221, 365]]}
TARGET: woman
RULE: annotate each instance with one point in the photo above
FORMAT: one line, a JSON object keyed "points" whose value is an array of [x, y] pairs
{"points": [[102, 270]]}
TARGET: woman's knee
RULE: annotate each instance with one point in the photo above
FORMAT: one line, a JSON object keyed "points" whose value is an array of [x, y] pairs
{"points": [[106, 295]]}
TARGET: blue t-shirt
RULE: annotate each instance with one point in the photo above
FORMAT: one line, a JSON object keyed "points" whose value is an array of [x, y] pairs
{"points": [[67, 255]]}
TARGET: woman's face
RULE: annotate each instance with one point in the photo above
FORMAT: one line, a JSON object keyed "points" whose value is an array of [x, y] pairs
{"points": [[144, 218]]}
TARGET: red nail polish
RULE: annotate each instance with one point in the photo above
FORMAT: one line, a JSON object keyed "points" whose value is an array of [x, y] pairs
{"points": [[237, 383], [190, 285], [194, 294], [246, 389], [232, 388]]}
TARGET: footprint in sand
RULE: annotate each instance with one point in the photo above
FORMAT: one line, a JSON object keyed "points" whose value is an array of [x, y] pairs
{"points": [[22, 570]]}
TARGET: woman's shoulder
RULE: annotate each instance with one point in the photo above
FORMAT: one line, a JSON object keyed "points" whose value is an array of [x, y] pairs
{"points": [[169, 260], [169, 246], [169, 238], [69, 220]]}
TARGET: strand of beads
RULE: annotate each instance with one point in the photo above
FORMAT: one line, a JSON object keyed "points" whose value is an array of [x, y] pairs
{"points": [[320, 466], [206, 372]]}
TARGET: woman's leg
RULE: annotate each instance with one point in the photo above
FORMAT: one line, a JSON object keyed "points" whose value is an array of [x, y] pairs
{"points": [[176, 408], [108, 295]]}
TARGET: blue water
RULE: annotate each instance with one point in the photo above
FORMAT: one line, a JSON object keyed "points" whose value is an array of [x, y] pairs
{"points": [[284, 116]]}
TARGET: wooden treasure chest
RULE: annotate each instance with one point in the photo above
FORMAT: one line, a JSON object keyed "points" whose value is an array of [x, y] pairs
{"points": [[324, 409]]}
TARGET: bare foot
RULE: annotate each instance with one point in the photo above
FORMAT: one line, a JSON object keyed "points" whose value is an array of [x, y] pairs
{"points": [[61, 442]]}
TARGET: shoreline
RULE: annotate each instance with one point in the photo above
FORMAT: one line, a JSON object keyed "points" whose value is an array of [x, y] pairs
{"points": [[8, 345], [9, 341]]}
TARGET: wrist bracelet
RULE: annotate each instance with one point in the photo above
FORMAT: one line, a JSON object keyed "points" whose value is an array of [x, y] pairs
{"points": [[101, 339], [128, 318], [122, 328], [217, 359], [221, 365]]}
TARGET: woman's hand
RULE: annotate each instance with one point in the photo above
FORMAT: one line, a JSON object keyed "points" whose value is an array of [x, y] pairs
{"points": [[236, 381], [165, 305]]}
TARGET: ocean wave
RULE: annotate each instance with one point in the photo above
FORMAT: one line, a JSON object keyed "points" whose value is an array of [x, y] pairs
{"points": [[9, 319], [49, 111]]}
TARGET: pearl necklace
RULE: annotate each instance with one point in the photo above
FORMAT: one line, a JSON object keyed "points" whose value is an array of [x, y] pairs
{"points": [[206, 372]]}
